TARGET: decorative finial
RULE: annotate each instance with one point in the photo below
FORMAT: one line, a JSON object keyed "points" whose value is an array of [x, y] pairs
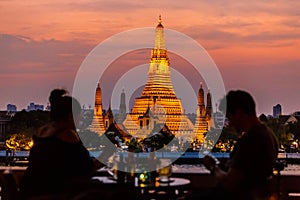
{"points": [[201, 84], [159, 19]]}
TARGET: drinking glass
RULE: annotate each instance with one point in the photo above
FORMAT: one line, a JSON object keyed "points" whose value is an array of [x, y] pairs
{"points": [[165, 170]]}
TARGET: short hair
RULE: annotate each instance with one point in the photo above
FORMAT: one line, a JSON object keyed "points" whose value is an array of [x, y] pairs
{"points": [[62, 105], [238, 99]]}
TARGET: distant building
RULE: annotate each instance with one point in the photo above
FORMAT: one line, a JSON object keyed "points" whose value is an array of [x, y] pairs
{"points": [[32, 106], [277, 111], [5, 118], [11, 108], [219, 120], [289, 119]]}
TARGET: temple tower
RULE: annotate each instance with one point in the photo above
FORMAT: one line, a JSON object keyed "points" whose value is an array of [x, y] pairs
{"points": [[122, 108], [209, 111], [159, 95], [108, 118], [97, 125], [201, 125]]}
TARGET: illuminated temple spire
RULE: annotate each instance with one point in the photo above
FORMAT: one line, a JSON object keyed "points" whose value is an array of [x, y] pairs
{"points": [[201, 104], [97, 125], [159, 79], [209, 111], [201, 125], [209, 105], [159, 94], [159, 35]]}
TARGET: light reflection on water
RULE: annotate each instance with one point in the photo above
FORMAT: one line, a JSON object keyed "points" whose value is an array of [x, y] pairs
{"points": [[291, 169], [166, 154]]}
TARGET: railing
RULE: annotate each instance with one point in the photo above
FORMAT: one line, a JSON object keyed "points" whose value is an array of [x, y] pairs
{"points": [[21, 157]]}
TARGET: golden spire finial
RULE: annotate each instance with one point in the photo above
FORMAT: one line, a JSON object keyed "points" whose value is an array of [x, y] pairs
{"points": [[159, 19]]}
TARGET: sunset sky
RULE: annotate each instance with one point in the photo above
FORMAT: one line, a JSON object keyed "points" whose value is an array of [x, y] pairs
{"points": [[255, 44]]}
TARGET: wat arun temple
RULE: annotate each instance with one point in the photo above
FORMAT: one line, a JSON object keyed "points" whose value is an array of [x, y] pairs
{"points": [[157, 105]]}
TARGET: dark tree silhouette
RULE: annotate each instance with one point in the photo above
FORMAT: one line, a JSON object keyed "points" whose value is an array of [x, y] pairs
{"points": [[28, 123]]}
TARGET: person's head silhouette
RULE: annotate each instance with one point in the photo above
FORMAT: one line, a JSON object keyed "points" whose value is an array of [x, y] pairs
{"points": [[240, 109], [63, 107]]}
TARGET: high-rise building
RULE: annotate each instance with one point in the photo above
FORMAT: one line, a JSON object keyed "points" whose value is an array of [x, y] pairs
{"points": [[32, 106], [158, 97], [277, 111], [11, 108]]}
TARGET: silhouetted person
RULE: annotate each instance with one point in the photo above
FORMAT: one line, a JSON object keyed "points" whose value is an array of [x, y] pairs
{"points": [[58, 161], [250, 166]]}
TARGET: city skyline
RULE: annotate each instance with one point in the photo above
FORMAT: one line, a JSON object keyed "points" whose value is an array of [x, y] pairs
{"points": [[254, 44]]}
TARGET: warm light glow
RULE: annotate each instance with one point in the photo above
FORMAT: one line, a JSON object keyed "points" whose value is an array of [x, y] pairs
{"points": [[98, 121], [19, 142]]}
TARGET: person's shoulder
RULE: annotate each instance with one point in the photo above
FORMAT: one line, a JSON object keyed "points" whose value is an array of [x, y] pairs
{"points": [[261, 133], [259, 129], [69, 136], [254, 134], [46, 131], [264, 129]]}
